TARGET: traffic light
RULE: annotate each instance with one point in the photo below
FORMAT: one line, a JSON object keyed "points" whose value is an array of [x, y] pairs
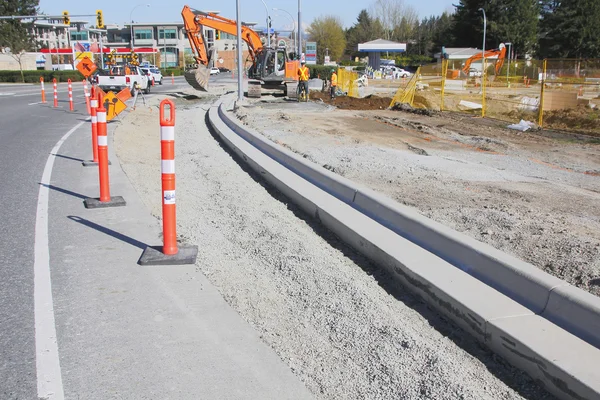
{"points": [[269, 23], [217, 34], [99, 19], [66, 19]]}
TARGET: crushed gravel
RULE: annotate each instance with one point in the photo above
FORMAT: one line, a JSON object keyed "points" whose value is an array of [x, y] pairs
{"points": [[339, 323], [527, 195]]}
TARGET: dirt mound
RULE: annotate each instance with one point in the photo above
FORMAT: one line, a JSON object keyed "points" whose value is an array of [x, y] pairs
{"points": [[581, 118], [352, 103]]}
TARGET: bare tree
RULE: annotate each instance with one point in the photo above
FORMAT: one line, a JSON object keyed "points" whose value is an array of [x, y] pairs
{"points": [[397, 18]]}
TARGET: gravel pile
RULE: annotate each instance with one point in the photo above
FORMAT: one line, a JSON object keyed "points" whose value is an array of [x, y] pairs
{"points": [[339, 323]]}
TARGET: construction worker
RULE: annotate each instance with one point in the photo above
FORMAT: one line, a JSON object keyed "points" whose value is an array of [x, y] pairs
{"points": [[333, 86], [303, 75]]}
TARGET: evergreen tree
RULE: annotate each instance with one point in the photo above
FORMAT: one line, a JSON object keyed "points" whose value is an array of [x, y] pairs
{"points": [[570, 29], [364, 30]]}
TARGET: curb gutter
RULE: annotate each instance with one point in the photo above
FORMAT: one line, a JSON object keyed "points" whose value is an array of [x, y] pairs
{"points": [[537, 322]]}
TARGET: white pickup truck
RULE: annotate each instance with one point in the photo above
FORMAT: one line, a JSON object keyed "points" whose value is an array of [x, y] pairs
{"points": [[119, 79]]}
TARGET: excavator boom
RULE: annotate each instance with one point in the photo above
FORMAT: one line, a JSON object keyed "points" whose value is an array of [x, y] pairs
{"points": [[500, 52], [193, 21]]}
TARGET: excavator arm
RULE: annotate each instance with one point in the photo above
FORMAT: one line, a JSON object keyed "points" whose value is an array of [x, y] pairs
{"points": [[500, 52], [193, 21]]}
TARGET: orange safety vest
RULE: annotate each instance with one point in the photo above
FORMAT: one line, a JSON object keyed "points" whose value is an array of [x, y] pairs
{"points": [[304, 73], [334, 79]]}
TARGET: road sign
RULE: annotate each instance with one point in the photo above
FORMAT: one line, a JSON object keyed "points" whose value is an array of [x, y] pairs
{"points": [[124, 94], [114, 106], [86, 66]]}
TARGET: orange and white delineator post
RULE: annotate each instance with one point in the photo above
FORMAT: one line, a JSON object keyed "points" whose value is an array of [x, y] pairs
{"points": [[102, 151], [43, 91], [55, 92], [167, 166], [172, 78], [94, 117], [70, 95], [87, 96]]}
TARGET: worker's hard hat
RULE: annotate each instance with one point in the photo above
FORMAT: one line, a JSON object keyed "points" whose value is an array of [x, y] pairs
{"points": [[303, 62], [332, 70]]}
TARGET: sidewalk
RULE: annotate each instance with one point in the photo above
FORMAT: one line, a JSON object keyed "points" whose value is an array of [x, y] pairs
{"points": [[132, 332]]}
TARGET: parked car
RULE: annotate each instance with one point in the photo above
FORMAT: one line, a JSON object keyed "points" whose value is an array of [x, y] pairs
{"points": [[224, 69], [153, 73], [474, 73], [214, 71]]}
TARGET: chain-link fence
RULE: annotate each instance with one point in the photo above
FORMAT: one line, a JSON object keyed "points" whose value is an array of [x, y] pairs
{"points": [[560, 94]]}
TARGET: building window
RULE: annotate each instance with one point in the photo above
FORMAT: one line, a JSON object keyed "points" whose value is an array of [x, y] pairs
{"points": [[79, 35], [167, 33], [141, 34]]}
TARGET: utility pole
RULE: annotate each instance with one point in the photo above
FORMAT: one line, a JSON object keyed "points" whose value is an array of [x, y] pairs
{"points": [[238, 19], [299, 29]]}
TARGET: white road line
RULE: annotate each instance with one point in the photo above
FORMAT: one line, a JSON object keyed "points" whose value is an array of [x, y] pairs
{"points": [[49, 376], [32, 104]]}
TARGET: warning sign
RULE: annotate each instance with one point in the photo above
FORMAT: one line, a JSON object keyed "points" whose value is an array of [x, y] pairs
{"points": [[114, 106], [86, 67], [124, 95]]}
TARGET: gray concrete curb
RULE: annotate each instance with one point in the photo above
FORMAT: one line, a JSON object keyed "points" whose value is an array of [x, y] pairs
{"points": [[537, 322]]}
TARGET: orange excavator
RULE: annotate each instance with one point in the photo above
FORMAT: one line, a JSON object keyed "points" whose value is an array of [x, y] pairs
{"points": [[271, 67], [500, 52]]}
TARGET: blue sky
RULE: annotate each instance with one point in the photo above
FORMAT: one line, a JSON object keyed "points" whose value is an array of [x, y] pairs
{"points": [[252, 10]]}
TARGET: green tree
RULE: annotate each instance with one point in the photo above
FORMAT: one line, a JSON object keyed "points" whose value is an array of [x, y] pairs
{"points": [[328, 32], [364, 30], [14, 34], [570, 29], [518, 23], [468, 24]]}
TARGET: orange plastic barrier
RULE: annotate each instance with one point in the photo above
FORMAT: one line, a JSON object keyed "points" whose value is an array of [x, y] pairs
{"points": [[55, 93], [167, 150], [70, 95], [87, 96], [102, 152], [43, 91], [94, 116]]}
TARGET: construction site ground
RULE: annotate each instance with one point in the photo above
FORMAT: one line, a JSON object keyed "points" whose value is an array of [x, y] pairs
{"points": [[533, 194], [340, 323]]}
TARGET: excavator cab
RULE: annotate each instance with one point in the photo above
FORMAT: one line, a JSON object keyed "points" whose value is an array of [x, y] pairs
{"points": [[269, 66]]}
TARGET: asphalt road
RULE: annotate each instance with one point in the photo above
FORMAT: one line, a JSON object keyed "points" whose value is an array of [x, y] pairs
{"points": [[28, 132]]}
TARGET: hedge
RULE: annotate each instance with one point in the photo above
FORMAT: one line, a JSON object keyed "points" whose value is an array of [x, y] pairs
{"points": [[34, 76], [169, 71]]}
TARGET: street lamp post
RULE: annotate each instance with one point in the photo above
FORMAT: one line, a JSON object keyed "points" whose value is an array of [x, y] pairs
{"points": [[238, 18], [299, 29], [483, 47], [483, 65], [293, 23], [508, 64], [268, 31], [131, 20]]}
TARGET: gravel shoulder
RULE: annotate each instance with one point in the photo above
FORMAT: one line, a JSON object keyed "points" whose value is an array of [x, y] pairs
{"points": [[534, 195], [339, 323]]}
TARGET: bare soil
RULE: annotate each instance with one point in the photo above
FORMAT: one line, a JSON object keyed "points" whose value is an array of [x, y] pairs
{"points": [[535, 195]]}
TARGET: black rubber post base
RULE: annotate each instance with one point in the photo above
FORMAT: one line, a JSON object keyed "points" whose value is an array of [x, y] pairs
{"points": [[115, 201], [90, 163], [153, 255]]}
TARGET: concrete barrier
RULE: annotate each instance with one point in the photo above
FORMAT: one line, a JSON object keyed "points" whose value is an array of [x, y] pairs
{"points": [[578, 312], [565, 364]]}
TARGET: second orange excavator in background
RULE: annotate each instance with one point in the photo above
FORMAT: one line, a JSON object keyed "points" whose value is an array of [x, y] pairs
{"points": [[500, 53], [271, 68]]}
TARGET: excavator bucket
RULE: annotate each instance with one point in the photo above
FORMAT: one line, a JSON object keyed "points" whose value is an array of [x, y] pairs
{"points": [[198, 78]]}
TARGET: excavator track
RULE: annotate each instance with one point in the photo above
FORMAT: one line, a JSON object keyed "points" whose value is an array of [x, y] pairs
{"points": [[198, 78]]}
